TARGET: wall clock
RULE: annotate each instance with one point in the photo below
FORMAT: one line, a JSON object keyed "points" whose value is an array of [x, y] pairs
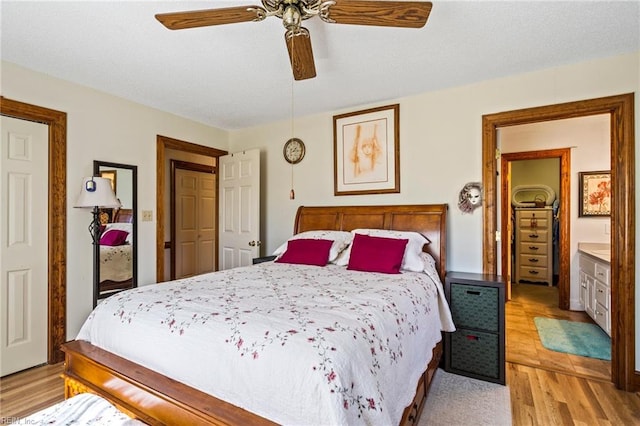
{"points": [[293, 150]]}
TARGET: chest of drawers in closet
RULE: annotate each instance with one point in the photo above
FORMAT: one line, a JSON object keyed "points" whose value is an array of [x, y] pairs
{"points": [[534, 245]]}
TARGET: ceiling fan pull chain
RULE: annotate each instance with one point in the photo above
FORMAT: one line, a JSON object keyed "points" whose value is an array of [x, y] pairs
{"points": [[292, 194]]}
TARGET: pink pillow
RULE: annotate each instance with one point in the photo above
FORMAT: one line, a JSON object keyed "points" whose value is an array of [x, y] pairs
{"points": [[114, 237], [307, 252], [376, 254]]}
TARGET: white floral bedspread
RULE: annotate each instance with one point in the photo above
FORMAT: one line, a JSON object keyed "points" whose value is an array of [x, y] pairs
{"points": [[83, 409], [116, 262], [299, 345]]}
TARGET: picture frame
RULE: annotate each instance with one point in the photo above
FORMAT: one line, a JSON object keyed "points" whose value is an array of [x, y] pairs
{"points": [[595, 194], [112, 175], [105, 215], [366, 151]]}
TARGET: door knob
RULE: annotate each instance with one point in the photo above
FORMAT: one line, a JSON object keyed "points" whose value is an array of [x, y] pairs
{"points": [[252, 243]]}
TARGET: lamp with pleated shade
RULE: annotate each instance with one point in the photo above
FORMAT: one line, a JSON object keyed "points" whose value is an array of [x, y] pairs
{"points": [[96, 193]]}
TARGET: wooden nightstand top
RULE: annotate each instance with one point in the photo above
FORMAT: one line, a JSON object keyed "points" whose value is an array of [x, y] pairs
{"points": [[474, 278]]}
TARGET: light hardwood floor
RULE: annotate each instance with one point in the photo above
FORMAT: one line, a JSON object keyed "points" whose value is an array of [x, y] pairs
{"points": [[547, 388], [523, 344], [29, 391], [554, 388]]}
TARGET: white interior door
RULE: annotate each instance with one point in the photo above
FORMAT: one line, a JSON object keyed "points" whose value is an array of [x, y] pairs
{"points": [[239, 190], [195, 222], [23, 244]]}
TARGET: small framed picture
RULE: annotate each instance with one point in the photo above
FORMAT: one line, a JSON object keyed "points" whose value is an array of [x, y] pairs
{"points": [[595, 194], [112, 175], [105, 215], [366, 151]]}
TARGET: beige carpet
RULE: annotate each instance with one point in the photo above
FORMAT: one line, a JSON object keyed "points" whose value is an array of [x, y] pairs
{"points": [[457, 400]]}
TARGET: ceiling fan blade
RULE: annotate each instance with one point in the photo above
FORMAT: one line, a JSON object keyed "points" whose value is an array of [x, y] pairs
{"points": [[300, 54], [406, 14], [205, 18]]}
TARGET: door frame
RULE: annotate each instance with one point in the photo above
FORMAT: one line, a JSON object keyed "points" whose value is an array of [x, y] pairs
{"points": [[162, 144], [194, 167], [57, 213], [621, 110], [564, 268]]}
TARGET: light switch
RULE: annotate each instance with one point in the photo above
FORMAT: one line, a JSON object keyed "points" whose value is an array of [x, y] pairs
{"points": [[147, 215]]}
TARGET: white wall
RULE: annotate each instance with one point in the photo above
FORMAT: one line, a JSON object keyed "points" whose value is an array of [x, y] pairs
{"points": [[107, 128], [590, 140], [440, 149]]}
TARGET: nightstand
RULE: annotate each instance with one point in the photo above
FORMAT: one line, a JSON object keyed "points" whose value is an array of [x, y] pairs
{"points": [[263, 259], [477, 347]]}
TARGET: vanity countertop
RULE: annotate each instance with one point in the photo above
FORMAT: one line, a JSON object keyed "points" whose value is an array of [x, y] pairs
{"points": [[601, 251]]}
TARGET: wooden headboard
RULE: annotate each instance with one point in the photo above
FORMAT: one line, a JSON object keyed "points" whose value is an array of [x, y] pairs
{"points": [[428, 219], [124, 216]]}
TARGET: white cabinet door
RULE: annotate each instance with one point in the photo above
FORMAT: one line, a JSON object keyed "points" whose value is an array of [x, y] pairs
{"points": [[583, 289], [591, 297], [595, 293]]}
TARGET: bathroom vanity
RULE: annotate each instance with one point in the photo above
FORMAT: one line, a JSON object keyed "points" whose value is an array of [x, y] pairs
{"points": [[595, 285]]}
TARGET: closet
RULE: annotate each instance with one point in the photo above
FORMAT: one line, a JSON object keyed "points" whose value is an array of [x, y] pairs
{"points": [[534, 213]]}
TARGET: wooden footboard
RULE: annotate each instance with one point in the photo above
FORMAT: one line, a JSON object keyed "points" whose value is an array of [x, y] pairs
{"points": [[158, 400], [144, 393]]}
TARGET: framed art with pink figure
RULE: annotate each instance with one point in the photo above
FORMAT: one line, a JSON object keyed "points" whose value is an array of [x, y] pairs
{"points": [[595, 194], [366, 151]]}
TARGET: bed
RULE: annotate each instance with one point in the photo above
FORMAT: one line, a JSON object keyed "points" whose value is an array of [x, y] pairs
{"points": [[144, 392], [116, 260]]}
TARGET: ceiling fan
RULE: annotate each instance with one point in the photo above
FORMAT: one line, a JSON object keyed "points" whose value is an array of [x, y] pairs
{"points": [[407, 14]]}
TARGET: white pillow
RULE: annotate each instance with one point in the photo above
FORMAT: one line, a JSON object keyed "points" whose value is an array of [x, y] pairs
{"points": [[412, 260], [341, 239]]}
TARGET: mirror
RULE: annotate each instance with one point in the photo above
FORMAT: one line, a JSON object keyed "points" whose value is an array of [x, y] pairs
{"points": [[116, 269]]}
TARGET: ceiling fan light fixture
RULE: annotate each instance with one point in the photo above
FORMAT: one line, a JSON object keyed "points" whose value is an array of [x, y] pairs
{"points": [[383, 13], [291, 18]]}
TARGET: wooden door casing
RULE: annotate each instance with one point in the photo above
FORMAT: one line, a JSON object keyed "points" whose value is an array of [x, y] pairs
{"points": [[57, 210], [163, 143], [623, 231], [564, 155]]}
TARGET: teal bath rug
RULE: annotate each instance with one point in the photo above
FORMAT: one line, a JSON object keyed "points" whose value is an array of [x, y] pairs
{"points": [[578, 338]]}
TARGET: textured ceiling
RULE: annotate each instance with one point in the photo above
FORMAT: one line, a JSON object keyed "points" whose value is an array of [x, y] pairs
{"points": [[237, 76]]}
